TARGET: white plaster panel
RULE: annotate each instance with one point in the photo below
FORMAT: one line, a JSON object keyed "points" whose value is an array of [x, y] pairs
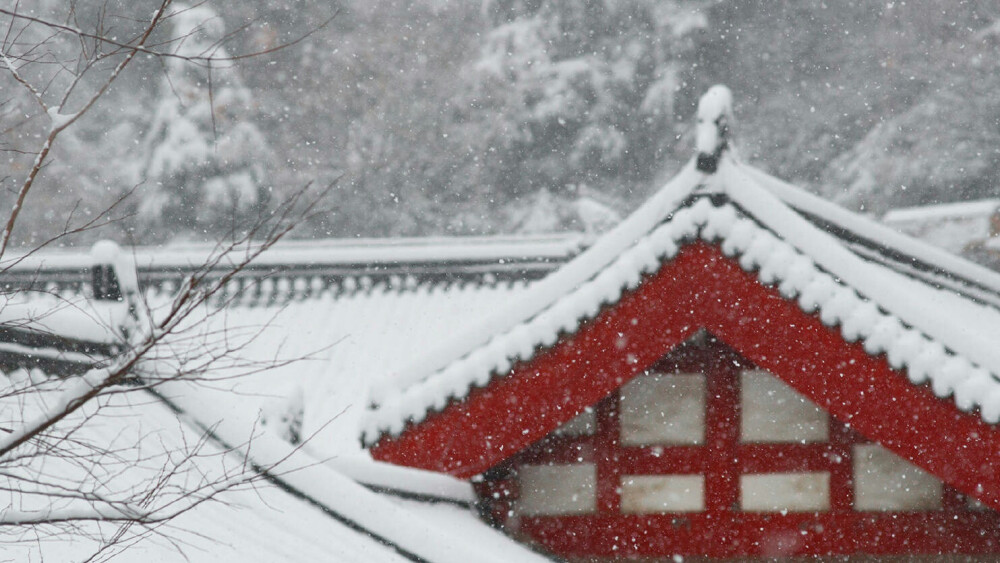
{"points": [[773, 412], [883, 481], [663, 409], [557, 489], [779, 492], [662, 493]]}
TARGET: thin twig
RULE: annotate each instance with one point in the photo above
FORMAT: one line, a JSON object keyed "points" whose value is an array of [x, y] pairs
{"points": [[157, 53], [64, 122]]}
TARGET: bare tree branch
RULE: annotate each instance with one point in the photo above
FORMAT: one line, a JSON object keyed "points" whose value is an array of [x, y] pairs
{"points": [[49, 453], [59, 122], [141, 48]]}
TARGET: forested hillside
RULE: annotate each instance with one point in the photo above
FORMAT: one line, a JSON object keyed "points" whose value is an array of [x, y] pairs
{"points": [[456, 117]]}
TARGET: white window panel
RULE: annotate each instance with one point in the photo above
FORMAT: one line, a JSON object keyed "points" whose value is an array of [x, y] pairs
{"points": [[663, 409], [582, 424], [643, 494], [772, 412], [549, 490], [785, 492], [884, 481]]}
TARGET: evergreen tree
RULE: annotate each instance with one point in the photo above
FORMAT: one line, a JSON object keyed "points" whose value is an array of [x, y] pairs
{"points": [[204, 168], [576, 94]]}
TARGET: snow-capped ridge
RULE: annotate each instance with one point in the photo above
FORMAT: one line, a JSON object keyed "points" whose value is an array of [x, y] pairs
{"points": [[869, 301], [715, 116]]}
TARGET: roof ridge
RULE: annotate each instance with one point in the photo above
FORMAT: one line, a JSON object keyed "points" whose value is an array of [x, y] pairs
{"points": [[798, 276]]}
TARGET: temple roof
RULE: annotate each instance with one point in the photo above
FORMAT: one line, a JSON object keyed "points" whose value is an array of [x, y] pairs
{"points": [[931, 313]]}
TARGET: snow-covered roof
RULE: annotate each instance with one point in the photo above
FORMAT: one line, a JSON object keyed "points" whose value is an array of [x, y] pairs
{"points": [[951, 226], [931, 313], [328, 349], [365, 337], [72, 317], [320, 348], [310, 266], [931, 212], [255, 524], [294, 506], [69, 331], [356, 308], [413, 513], [879, 243]]}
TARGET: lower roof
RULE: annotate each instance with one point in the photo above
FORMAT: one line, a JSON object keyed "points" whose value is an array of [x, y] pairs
{"points": [[284, 504], [307, 267]]}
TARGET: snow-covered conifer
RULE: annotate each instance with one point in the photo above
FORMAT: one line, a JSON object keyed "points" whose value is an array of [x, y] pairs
{"points": [[204, 169], [576, 94]]}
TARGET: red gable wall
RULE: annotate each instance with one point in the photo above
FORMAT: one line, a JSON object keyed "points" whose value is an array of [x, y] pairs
{"points": [[702, 288]]}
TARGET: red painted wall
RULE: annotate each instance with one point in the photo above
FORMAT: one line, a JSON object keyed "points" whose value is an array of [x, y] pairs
{"points": [[702, 288], [722, 529]]}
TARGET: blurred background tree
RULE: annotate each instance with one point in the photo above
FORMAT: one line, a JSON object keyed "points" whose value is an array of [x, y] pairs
{"points": [[204, 161], [454, 117]]}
